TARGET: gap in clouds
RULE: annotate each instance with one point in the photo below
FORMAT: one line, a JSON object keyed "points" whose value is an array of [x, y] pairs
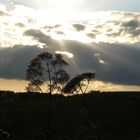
{"points": [[19, 86]]}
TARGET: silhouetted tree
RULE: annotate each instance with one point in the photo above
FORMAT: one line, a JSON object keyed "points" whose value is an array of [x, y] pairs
{"points": [[77, 83], [47, 70], [34, 86], [80, 84]]}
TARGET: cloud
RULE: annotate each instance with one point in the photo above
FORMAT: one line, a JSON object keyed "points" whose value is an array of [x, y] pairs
{"points": [[60, 32], [132, 24], [21, 25], [109, 27], [122, 27], [52, 27], [42, 38], [91, 35], [79, 27], [122, 63], [70, 55], [132, 27], [116, 63], [100, 60], [4, 13], [14, 61], [97, 44], [129, 29], [37, 34], [46, 4]]}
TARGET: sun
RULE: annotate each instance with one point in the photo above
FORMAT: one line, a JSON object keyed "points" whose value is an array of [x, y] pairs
{"points": [[56, 1], [64, 6], [73, 2], [58, 13], [59, 4]]}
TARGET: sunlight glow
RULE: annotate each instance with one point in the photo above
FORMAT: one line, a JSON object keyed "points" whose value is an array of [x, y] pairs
{"points": [[65, 2], [19, 86], [100, 60], [2, 7], [107, 86], [70, 55], [97, 24]]}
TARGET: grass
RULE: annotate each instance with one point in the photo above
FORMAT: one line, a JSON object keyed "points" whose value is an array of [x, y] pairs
{"points": [[116, 116]]}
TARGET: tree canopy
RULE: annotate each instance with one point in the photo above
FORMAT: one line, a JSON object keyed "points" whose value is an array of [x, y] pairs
{"points": [[76, 83], [47, 70]]}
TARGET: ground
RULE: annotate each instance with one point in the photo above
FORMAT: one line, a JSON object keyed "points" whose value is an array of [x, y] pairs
{"points": [[97, 115]]}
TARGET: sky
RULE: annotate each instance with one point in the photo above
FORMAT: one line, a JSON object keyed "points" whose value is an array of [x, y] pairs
{"points": [[93, 36]]}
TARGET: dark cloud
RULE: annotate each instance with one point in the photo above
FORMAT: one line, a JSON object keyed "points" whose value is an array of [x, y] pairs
{"points": [[3, 13], [91, 35], [14, 60], [115, 34], [120, 24], [43, 38], [21, 25], [131, 24], [126, 15], [60, 32], [121, 61], [99, 27], [97, 32], [52, 27], [136, 32], [31, 20], [132, 27], [79, 27], [125, 28], [38, 35]]}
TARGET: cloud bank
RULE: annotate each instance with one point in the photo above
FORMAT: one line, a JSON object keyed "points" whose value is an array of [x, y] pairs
{"points": [[108, 27], [115, 63], [107, 43]]}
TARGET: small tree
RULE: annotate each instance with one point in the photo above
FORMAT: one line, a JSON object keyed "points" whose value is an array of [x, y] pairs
{"points": [[79, 83], [33, 87], [47, 71]]}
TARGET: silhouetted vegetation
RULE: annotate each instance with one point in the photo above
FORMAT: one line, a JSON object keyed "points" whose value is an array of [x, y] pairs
{"points": [[48, 70], [93, 116], [76, 84], [115, 116]]}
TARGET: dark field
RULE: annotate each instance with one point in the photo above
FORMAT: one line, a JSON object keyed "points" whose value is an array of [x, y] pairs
{"points": [[108, 116]]}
